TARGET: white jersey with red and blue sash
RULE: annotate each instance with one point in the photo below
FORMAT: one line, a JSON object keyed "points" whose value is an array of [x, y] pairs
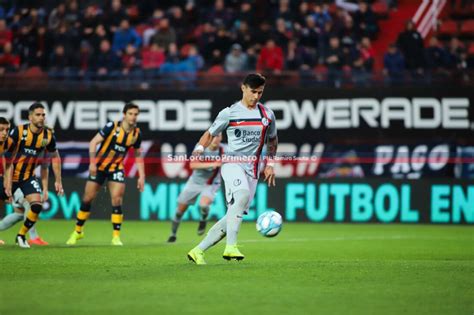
{"points": [[247, 134]]}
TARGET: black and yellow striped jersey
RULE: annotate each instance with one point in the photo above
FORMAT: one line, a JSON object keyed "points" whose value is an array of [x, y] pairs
{"points": [[26, 150], [115, 146], [4, 148]]}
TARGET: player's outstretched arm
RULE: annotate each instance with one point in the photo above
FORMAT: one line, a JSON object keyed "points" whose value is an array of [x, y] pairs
{"points": [[92, 156], [269, 171], [141, 169]]}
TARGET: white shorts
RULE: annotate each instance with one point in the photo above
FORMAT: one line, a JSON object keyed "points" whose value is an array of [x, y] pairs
{"points": [[191, 191], [236, 179]]}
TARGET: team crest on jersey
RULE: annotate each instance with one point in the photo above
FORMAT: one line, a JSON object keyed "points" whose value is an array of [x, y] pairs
{"points": [[44, 142], [265, 121]]}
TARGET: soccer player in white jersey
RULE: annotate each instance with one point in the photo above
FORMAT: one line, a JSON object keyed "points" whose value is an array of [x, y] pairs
{"points": [[249, 126], [205, 181]]}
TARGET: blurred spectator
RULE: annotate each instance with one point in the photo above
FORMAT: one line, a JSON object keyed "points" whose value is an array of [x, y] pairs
{"points": [[271, 58], [348, 33], [334, 61], [394, 65], [100, 34], [44, 42], [252, 56], [309, 33], [180, 24], [244, 36], [323, 40], [131, 62], [206, 40], [321, 15], [59, 63], [194, 60], [296, 57], [282, 34], [284, 11], [89, 22], [245, 15], [6, 35], [410, 43], [125, 35], [219, 14], [263, 33], [84, 58], [73, 16], [106, 62], [367, 54], [454, 53], [114, 15], [152, 58], [435, 55], [183, 71], [222, 41], [236, 60], [67, 38], [164, 35], [300, 16], [24, 44], [57, 16], [9, 62], [366, 21]]}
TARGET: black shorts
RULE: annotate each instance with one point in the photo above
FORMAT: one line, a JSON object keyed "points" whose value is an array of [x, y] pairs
{"points": [[3, 196], [30, 186], [117, 176]]}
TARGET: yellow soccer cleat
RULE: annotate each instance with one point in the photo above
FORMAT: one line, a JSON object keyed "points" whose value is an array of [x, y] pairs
{"points": [[196, 255], [232, 252], [116, 241], [74, 238]]}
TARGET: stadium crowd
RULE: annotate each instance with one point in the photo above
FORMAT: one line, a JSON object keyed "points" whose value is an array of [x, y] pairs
{"points": [[102, 40]]}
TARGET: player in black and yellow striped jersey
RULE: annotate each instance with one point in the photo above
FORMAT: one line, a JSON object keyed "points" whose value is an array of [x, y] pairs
{"points": [[106, 163], [5, 143], [20, 207], [29, 142]]}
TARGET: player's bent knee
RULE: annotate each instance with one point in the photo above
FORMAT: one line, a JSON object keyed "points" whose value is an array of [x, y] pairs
{"points": [[36, 207], [117, 201], [242, 198]]}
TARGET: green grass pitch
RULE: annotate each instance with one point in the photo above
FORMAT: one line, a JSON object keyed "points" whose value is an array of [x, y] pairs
{"points": [[307, 269]]}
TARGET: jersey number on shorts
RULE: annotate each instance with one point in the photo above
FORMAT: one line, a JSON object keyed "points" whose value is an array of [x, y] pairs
{"points": [[36, 186], [118, 176]]}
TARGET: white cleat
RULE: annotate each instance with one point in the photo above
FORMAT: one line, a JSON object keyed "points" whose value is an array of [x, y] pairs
{"points": [[22, 242]]}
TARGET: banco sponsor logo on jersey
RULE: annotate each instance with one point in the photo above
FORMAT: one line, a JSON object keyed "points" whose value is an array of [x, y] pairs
{"points": [[248, 135]]}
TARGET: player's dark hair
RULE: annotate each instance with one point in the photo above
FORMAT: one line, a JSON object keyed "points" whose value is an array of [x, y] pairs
{"points": [[35, 106], [130, 106], [254, 80], [4, 121]]}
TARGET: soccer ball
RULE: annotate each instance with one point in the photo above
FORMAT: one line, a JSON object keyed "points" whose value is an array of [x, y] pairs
{"points": [[269, 223]]}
